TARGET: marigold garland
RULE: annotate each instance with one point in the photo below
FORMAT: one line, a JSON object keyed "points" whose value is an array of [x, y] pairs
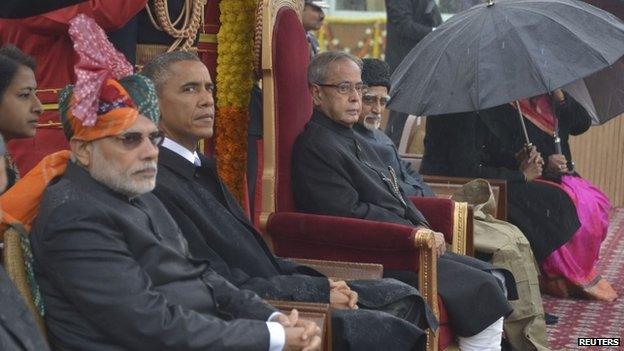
{"points": [[234, 83]]}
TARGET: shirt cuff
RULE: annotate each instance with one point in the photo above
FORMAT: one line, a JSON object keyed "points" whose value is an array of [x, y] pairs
{"points": [[277, 334]]}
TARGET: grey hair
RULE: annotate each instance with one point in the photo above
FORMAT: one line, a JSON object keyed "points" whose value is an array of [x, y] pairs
{"points": [[319, 66], [157, 69]]}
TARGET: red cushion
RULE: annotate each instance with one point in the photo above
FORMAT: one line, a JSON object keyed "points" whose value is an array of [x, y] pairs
{"points": [[445, 335], [293, 103], [343, 239], [439, 214]]}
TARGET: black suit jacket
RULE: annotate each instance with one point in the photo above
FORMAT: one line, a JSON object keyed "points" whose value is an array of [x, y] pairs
{"points": [[115, 274], [218, 230], [408, 23], [335, 173]]}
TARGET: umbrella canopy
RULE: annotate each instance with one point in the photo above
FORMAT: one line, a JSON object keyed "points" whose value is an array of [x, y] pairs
{"points": [[602, 93], [513, 49]]}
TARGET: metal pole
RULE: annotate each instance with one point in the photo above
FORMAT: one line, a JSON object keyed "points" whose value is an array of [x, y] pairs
{"points": [[524, 130]]}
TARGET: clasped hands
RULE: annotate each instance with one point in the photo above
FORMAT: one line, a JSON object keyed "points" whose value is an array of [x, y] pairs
{"points": [[301, 334], [341, 297]]}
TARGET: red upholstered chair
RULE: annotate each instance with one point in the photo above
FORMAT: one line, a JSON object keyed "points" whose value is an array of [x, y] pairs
{"points": [[287, 108]]}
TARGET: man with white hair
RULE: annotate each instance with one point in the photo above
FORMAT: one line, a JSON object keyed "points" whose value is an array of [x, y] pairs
{"points": [[498, 242]]}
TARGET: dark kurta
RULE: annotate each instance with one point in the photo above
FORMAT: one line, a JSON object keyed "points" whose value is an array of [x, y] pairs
{"points": [[336, 174], [18, 330], [410, 181], [115, 274], [478, 146], [218, 231]]}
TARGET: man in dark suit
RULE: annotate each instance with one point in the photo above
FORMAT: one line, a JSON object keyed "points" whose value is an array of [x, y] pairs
{"points": [[113, 268], [335, 173], [218, 230], [409, 21]]}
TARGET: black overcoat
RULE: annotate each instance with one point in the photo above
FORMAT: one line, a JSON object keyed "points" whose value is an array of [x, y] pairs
{"points": [[335, 173], [218, 231], [481, 146], [115, 274], [408, 23]]}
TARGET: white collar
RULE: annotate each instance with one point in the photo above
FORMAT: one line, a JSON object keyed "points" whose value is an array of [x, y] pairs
{"points": [[189, 155]]}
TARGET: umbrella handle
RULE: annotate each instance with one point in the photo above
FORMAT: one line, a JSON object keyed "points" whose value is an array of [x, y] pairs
{"points": [[524, 130]]}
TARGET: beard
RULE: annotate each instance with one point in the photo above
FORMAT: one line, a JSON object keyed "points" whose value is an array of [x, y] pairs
{"points": [[372, 122], [119, 180]]}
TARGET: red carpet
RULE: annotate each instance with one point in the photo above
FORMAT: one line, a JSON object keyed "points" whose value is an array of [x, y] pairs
{"points": [[592, 319]]}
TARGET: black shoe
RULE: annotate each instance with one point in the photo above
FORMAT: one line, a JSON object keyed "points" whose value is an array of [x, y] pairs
{"points": [[550, 319], [505, 345]]}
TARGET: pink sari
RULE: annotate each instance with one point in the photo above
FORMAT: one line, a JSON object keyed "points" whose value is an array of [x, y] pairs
{"points": [[576, 260]]}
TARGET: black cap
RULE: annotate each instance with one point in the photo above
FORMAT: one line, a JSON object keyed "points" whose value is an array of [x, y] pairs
{"points": [[375, 72]]}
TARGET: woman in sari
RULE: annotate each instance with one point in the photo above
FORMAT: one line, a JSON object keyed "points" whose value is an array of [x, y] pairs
{"points": [[551, 205], [576, 260]]}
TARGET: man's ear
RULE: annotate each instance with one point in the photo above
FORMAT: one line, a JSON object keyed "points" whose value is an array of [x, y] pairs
{"points": [[83, 151], [317, 94]]}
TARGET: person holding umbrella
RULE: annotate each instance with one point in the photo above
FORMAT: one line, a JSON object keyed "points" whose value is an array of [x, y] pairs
{"points": [[489, 144], [573, 265]]}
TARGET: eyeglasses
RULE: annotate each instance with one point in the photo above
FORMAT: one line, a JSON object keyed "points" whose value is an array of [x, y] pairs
{"points": [[132, 140], [372, 99], [346, 87]]}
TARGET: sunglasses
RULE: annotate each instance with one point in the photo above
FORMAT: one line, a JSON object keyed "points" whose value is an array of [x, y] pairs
{"points": [[132, 140]]}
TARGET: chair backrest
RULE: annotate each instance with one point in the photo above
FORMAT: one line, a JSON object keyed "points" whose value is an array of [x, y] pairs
{"points": [[286, 97], [17, 261], [405, 135]]}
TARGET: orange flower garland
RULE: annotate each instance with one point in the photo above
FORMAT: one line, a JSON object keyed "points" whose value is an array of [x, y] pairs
{"points": [[234, 83]]}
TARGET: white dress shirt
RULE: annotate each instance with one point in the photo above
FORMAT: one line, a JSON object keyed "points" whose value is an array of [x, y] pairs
{"points": [[276, 330]]}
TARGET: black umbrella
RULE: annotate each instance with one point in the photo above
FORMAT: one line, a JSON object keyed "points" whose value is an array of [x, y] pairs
{"points": [[602, 93], [496, 53]]}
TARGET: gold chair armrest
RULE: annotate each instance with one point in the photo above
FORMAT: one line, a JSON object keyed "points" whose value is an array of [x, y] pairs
{"points": [[343, 270], [463, 229], [427, 278]]}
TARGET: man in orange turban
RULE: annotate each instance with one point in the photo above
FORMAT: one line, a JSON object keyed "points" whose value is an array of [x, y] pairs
{"points": [[112, 266]]}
